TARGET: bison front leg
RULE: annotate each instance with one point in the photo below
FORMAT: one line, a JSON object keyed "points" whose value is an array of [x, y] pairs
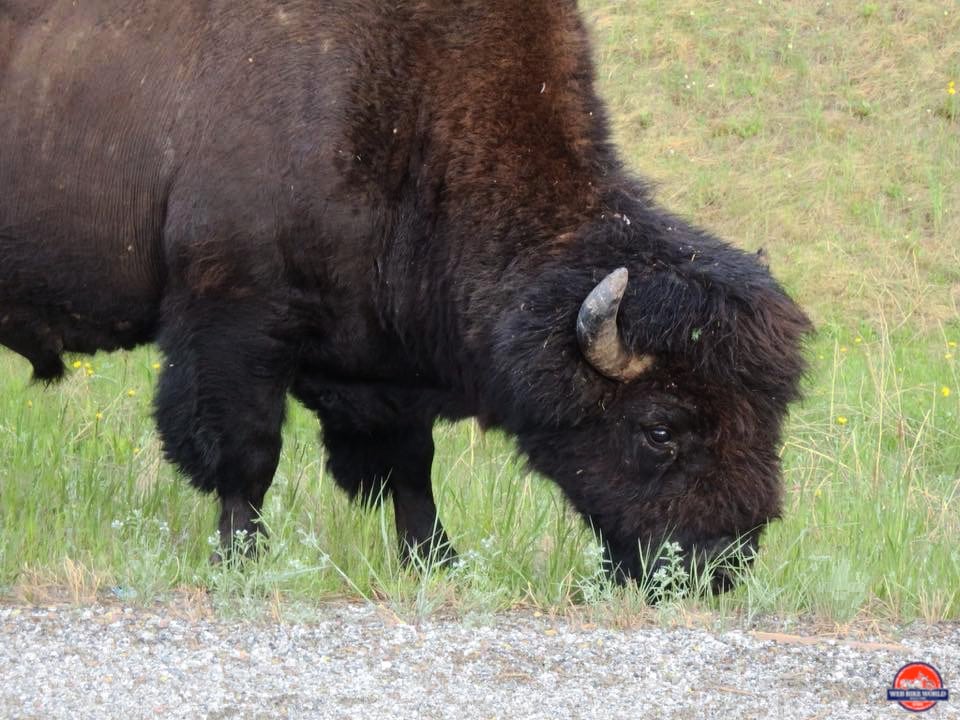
{"points": [[395, 461], [220, 406]]}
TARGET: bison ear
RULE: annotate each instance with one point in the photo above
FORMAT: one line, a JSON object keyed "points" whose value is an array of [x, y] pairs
{"points": [[599, 336]]}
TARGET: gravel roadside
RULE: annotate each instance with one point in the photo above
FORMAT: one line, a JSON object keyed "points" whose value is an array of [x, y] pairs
{"points": [[362, 662]]}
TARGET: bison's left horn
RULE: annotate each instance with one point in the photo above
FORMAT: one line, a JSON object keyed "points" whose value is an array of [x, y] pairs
{"points": [[599, 337]]}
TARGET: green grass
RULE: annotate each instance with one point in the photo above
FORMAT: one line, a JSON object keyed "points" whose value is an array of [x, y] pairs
{"points": [[822, 132], [871, 525]]}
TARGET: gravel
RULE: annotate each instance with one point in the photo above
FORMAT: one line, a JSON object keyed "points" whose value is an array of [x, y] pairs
{"points": [[363, 662]]}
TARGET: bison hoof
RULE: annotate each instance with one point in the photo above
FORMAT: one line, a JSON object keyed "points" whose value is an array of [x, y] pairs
{"points": [[244, 547], [428, 554]]}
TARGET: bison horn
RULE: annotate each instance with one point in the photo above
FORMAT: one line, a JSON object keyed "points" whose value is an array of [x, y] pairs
{"points": [[599, 337]]}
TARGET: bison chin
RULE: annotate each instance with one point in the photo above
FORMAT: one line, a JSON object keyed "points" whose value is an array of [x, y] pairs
{"points": [[673, 572]]}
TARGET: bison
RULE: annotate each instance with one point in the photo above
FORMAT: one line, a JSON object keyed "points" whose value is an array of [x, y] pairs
{"points": [[398, 212]]}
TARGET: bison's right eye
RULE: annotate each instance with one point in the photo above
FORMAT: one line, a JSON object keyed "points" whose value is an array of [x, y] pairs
{"points": [[660, 435]]}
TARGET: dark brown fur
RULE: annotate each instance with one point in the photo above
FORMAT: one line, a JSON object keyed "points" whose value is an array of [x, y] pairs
{"points": [[393, 210]]}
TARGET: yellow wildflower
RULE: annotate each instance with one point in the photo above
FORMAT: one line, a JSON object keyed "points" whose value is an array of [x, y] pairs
{"points": [[842, 420], [951, 343], [131, 392], [29, 403], [818, 492], [952, 87], [843, 348], [945, 391], [948, 356], [136, 451], [858, 340], [99, 416], [156, 366], [77, 364]]}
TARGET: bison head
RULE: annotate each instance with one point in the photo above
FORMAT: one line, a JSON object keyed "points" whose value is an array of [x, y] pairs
{"points": [[654, 393]]}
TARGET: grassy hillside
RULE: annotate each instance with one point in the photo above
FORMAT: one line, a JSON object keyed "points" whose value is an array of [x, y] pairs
{"points": [[823, 132]]}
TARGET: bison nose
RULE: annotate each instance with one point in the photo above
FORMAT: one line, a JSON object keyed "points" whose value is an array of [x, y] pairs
{"points": [[713, 565], [727, 558]]}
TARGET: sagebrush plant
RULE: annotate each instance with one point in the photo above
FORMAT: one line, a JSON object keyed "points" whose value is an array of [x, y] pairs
{"points": [[823, 133]]}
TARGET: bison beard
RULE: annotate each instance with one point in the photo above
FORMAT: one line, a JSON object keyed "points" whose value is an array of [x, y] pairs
{"points": [[397, 212]]}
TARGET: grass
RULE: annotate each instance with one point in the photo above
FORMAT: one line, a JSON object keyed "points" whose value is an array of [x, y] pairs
{"points": [[823, 132]]}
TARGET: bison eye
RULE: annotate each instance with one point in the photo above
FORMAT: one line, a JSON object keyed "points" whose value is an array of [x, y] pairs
{"points": [[660, 435]]}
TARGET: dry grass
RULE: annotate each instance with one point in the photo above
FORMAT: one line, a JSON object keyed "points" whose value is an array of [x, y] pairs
{"points": [[821, 131]]}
